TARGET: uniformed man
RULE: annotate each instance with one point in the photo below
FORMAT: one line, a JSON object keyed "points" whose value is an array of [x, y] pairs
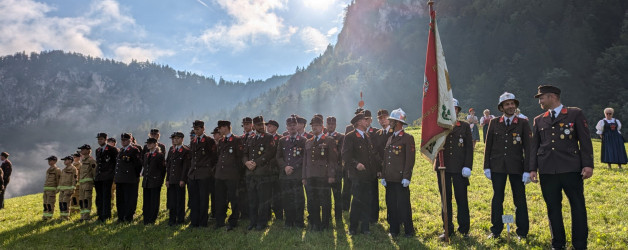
{"points": [[399, 156], [203, 152], [336, 187], [153, 173], [106, 159], [230, 150], [247, 126], [458, 159], [127, 174], [177, 166], [506, 156], [319, 171], [350, 127], [112, 142], [74, 204], [154, 133], [360, 158], [289, 156], [51, 182], [258, 153], [271, 127], [216, 135], [86, 181], [562, 154], [379, 137], [67, 183], [7, 168], [301, 124]]}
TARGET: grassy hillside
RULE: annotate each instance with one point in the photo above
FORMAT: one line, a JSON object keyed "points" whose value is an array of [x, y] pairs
{"points": [[606, 196]]}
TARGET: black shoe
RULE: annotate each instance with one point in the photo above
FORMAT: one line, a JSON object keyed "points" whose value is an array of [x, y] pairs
{"points": [[250, 227], [493, 236]]}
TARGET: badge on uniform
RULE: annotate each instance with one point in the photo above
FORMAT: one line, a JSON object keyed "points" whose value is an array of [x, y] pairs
{"points": [[231, 150], [460, 142]]}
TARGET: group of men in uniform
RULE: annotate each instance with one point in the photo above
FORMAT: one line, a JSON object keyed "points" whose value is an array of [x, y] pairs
{"points": [[260, 172]]}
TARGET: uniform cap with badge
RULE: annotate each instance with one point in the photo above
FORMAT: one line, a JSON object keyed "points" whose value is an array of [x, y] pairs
{"points": [[398, 115], [331, 120], [382, 112], [292, 120], [273, 122], [101, 135], [151, 141], [215, 131], [126, 136], [85, 146], [246, 120], [154, 131], [51, 158], [357, 117], [198, 124], [316, 120], [223, 123], [5, 154], [301, 120], [258, 119], [69, 157]]}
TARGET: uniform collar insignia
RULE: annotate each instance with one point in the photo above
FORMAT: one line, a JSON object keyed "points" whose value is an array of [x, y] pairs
{"points": [[515, 120], [547, 113], [501, 119], [457, 123], [358, 134], [563, 111]]}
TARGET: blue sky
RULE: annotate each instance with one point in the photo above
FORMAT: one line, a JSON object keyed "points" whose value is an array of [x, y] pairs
{"points": [[235, 39]]}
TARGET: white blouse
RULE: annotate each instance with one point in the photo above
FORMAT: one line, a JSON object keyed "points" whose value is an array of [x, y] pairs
{"points": [[600, 125]]}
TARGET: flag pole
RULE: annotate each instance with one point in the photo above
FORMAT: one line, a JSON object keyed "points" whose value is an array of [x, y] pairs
{"points": [[441, 168], [443, 193]]}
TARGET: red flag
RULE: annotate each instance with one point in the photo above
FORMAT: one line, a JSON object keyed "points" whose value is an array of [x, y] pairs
{"points": [[438, 112]]}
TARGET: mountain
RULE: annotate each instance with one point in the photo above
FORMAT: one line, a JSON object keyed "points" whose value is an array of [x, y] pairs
{"points": [[51, 102], [491, 46]]}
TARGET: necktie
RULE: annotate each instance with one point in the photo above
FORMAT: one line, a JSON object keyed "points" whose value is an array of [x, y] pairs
{"points": [[292, 139], [507, 122], [553, 115]]}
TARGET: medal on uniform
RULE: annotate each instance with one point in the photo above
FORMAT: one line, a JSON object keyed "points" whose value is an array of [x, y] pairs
{"points": [[259, 152], [322, 152], [230, 150], [298, 152], [567, 131], [261, 148], [562, 136], [570, 136], [561, 124]]}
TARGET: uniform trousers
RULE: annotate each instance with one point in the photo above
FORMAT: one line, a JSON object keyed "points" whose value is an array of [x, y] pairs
{"points": [[293, 201], [399, 210], [519, 198], [318, 196], [361, 204], [227, 193], [199, 201], [176, 200], [460, 184], [150, 205], [258, 189], [126, 201], [552, 186], [103, 199]]}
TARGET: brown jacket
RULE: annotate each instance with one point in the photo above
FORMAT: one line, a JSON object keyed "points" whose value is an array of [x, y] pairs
{"points": [[153, 169], [6, 170], [260, 149], [340, 139], [177, 164], [359, 149], [399, 157], [69, 178], [458, 149], [203, 152], [51, 181], [88, 170], [507, 148], [290, 154], [561, 146], [229, 165], [321, 158]]}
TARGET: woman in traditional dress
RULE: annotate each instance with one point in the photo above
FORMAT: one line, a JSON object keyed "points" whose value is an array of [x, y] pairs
{"points": [[613, 148]]}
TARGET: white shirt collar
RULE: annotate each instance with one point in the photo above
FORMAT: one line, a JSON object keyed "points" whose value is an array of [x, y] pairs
{"points": [[397, 132], [557, 110], [509, 117], [360, 131]]}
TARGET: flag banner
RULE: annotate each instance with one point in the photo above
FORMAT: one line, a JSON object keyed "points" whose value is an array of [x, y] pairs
{"points": [[439, 115]]}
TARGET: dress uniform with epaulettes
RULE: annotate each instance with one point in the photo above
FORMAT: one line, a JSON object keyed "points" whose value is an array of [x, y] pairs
{"points": [[203, 152], [153, 173], [290, 152], [127, 174], [336, 187], [103, 181], [177, 166], [228, 169]]}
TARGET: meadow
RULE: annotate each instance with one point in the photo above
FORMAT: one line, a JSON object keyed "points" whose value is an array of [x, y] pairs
{"points": [[606, 198]]}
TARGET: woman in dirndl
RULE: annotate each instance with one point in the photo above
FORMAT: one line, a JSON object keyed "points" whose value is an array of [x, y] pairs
{"points": [[613, 148]]}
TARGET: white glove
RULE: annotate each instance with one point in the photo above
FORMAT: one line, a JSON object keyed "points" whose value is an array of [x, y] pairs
{"points": [[526, 178], [466, 172], [383, 181], [487, 173], [405, 183]]}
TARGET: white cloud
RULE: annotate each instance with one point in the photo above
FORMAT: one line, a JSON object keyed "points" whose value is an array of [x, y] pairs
{"points": [[314, 40], [252, 21], [318, 4], [332, 31], [126, 53], [27, 25]]}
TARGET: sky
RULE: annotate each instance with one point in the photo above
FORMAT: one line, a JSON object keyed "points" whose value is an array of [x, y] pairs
{"points": [[234, 39]]}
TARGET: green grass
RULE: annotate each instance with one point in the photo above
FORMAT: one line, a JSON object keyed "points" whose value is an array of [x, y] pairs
{"points": [[605, 192]]}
